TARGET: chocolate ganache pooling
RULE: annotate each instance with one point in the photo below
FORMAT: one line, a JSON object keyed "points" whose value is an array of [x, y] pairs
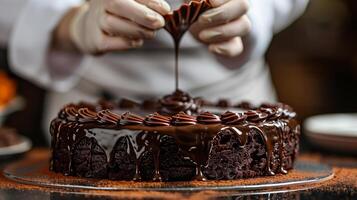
{"points": [[179, 21], [193, 134]]}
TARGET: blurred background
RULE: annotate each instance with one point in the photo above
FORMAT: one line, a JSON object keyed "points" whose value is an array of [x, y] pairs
{"points": [[313, 64]]}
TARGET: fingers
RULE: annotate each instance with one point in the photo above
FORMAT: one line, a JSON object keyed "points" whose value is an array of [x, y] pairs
{"points": [[217, 3], [116, 26], [135, 12], [239, 27], [107, 43], [229, 48], [160, 6], [228, 11]]}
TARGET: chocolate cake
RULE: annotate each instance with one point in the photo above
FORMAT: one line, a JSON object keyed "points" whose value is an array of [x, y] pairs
{"points": [[175, 138]]}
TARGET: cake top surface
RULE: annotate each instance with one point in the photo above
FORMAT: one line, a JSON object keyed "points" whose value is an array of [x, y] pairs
{"points": [[176, 109]]}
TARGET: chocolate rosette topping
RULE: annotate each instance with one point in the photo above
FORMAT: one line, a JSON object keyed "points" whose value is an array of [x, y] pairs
{"points": [[232, 118], [273, 112], [106, 116], [245, 105], [131, 119], [157, 120], [200, 102], [86, 115], [223, 103], [182, 119], [282, 110], [127, 103], [150, 104], [208, 118], [69, 113], [177, 102], [88, 105], [106, 105], [255, 116]]}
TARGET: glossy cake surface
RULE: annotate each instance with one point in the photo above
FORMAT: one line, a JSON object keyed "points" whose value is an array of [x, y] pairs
{"points": [[176, 138]]}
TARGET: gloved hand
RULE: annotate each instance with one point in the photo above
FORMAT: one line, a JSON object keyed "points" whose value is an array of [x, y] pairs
{"points": [[100, 26], [223, 26]]}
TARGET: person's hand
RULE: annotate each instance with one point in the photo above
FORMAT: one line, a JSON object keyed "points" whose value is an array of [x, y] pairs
{"points": [[223, 26], [99, 26]]}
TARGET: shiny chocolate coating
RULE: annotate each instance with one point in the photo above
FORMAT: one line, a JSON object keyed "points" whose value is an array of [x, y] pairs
{"points": [[193, 134]]}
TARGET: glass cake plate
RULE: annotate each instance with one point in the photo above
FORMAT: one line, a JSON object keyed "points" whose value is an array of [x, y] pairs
{"points": [[35, 171]]}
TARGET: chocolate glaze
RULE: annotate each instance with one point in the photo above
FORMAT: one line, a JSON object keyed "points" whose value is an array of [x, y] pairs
{"points": [[193, 135]]}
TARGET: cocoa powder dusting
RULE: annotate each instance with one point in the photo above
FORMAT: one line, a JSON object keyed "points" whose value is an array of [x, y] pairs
{"points": [[345, 179]]}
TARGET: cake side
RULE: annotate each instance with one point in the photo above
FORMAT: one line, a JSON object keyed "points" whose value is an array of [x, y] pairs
{"points": [[176, 148]]}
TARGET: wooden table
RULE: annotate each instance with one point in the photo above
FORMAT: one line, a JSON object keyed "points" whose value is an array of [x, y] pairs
{"points": [[342, 186]]}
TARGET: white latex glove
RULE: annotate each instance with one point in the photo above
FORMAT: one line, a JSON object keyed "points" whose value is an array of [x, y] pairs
{"points": [[223, 26], [100, 26]]}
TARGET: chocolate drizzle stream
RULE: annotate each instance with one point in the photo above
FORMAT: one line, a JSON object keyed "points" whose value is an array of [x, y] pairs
{"points": [[193, 135], [179, 21]]}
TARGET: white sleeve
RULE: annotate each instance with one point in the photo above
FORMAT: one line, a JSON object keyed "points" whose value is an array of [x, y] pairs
{"points": [[29, 48], [286, 11]]}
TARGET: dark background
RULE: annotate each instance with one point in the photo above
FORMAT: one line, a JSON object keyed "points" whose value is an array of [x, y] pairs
{"points": [[313, 64]]}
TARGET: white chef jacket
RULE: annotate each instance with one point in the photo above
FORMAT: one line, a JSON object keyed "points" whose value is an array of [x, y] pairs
{"points": [[26, 27]]}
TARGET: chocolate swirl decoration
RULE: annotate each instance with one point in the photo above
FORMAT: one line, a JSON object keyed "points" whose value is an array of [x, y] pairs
{"points": [[182, 119], [231, 118], [281, 111], [69, 113], [208, 118], [86, 115], [157, 120], [255, 116], [180, 20], [177, 102], [106, 116], [273, 112], [131, 119], [223, 103], [245, 105]]}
